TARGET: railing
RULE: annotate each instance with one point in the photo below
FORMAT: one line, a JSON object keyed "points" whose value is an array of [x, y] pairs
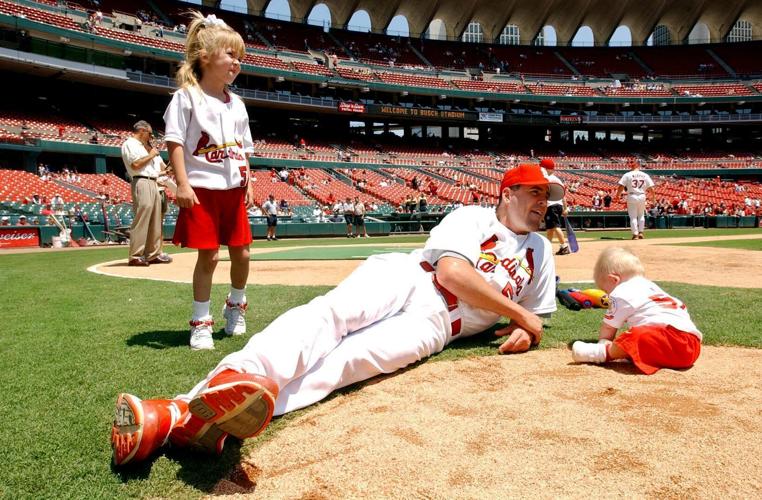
{"points": [[261, 95], [750, 117]]}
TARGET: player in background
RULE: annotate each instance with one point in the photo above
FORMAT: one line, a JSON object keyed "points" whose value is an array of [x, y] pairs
{"points": [[554, 221], [208, 138], [478, 265], [661, 333], [637, 184]]}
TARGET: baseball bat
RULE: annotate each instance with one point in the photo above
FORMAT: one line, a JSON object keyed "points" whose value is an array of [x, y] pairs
{"points": [[573, 245], [567, 300]]}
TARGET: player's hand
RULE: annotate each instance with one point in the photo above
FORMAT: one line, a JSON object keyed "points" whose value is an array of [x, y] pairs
{"points": [[518, 339], [532, 324], [186, 198], [154, 152]]}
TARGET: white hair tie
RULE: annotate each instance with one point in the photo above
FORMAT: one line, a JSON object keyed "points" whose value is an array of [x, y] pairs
{"points": [[211, 20]]}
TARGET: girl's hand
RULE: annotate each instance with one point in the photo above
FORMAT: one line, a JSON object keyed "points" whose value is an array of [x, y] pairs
{"points": [[186, 198], [250, 196]]}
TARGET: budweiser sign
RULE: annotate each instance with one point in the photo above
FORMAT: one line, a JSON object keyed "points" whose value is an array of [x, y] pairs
{"points": [[16, 237]]}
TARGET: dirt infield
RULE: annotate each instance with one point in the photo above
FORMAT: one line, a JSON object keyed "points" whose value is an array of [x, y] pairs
{"points": [[719, 267], [529, 425]]}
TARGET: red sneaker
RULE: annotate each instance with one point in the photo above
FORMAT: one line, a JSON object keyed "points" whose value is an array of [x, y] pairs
{"points": [[142, 427], [236, 404]]}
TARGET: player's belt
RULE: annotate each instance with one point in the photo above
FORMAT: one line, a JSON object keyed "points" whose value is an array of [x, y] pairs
{"points": [[450, 299], [144, 177]]}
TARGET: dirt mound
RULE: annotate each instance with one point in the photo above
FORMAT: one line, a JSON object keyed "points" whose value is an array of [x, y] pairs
{"points": [[531, 425]]}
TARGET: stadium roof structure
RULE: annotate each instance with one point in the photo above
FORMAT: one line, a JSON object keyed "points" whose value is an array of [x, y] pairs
{"points": [[603, 17]]}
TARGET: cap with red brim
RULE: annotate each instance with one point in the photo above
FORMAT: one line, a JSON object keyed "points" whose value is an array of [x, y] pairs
{"points": [[528, 174]]}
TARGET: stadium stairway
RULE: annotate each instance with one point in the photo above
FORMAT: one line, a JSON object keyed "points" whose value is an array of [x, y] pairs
{"points": [[641, 63], [76, 188], [567, 63], [722, 63]]}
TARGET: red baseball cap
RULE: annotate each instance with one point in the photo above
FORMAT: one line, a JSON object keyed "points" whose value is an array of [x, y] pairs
{"points": [[528, 174], [547, 164]]}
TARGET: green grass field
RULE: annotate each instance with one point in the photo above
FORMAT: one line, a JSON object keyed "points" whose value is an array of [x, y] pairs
{"points": [[75, 339]]}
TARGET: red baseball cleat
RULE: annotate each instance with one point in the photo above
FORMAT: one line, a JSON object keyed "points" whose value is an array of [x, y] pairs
{"points": [[236, 404], [142, 427]]}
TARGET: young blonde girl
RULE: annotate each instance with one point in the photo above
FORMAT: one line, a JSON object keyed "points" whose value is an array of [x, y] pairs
{"points": [[661, 334], [208, 138]]}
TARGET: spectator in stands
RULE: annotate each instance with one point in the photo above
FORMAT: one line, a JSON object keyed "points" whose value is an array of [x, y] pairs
{"points": [[270, 208], [144, 165], [5, 220], [22, 221], [284, 208], [283, 174], [57, 203], [607, 200], [94, 139]]}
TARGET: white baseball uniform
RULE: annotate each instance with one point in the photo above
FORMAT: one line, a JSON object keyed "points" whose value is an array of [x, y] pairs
{"points": [[389, 312], [639, 302], [215, 136], [636, 182]]}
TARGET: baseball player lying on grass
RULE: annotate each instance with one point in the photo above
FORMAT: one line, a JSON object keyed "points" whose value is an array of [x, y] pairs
{"points": [[661, 333], [477, 266]]}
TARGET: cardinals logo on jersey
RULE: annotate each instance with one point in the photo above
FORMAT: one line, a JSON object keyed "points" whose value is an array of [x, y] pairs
{"points": [[215, 153]]}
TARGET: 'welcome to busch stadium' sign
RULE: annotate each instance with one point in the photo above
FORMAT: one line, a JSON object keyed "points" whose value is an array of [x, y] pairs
{"points": [[422, 113]]}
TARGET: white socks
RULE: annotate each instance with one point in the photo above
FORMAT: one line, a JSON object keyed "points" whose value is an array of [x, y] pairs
{"points": [[585, 352], [200, 310], [237, 296]]}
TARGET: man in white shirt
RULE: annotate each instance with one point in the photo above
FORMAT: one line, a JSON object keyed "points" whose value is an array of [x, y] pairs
{"points": [[636, 184], [144, 165], [270, 208], [478, 266]]}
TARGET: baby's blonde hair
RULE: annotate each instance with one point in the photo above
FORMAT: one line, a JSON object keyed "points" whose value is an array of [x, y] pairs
{"points": [[616, 260], [205, 37]]}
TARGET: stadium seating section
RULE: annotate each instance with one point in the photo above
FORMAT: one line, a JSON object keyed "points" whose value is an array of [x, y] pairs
{"points": [[373, 57]]}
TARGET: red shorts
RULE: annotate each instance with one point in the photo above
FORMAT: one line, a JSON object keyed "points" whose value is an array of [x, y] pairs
{"points": [[219, 219], [652, 347]]}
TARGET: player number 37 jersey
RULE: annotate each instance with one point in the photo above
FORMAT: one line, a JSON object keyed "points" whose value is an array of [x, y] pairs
{"points": [[215, 137], [636, 183]]}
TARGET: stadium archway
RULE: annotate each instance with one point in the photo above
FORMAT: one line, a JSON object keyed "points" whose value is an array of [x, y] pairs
{"points": [[360, 21], [584, 37], [320, 15], [437, 30], [278, 9], [547, 36], [662, 35], [511, 35], [699, 34], [622, 37], [473, 33], [398, 26]]}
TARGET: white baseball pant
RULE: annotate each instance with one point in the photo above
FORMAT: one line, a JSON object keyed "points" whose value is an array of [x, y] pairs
{"points": [[382, 317], [636, 209]]}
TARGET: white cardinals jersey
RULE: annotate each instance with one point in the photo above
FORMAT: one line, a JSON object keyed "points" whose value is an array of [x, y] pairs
{"points": [[521, 267], [639, 301], [215, 136], [636, 183]]}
